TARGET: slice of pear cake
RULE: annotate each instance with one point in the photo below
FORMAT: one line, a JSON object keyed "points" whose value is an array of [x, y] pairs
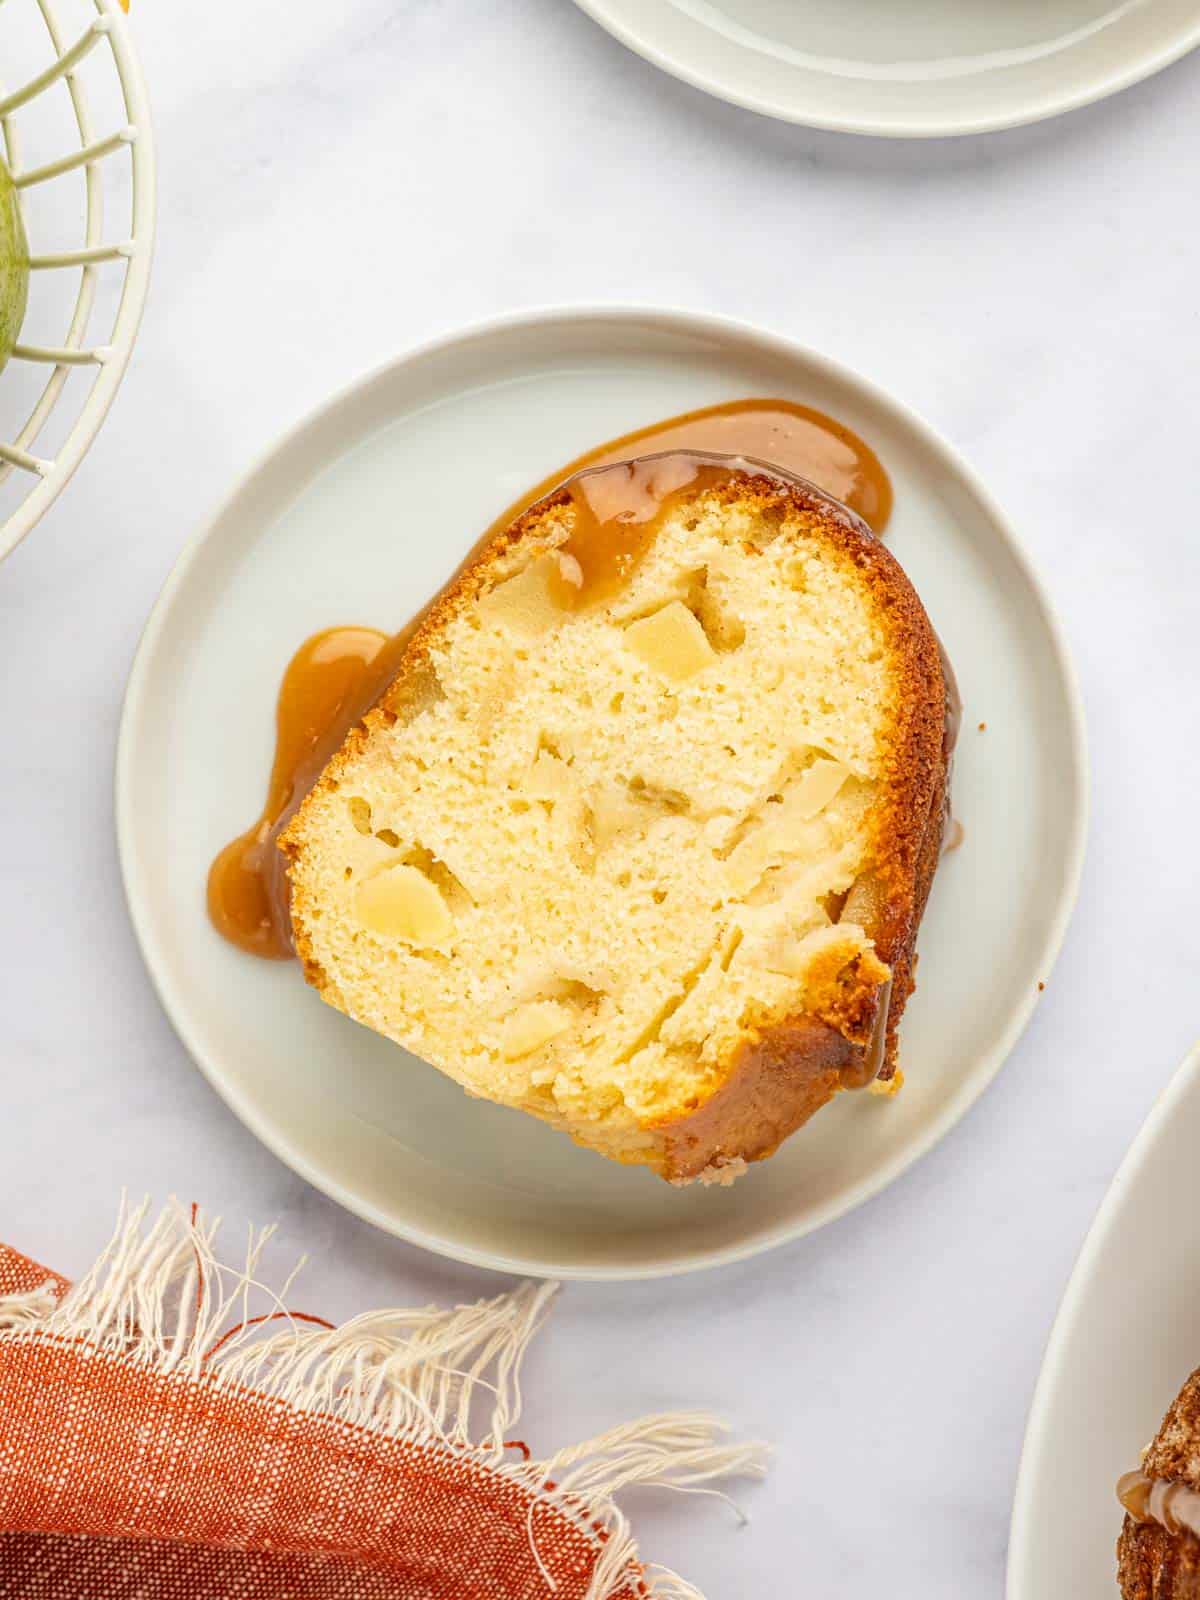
{"points": [[639, 838]]}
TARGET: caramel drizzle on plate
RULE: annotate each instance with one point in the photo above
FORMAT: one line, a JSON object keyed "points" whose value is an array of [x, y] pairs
{"points": [[338, 674]]}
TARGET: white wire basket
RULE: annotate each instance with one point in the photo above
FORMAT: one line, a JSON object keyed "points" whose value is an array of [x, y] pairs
{"points": [[78, 143]]}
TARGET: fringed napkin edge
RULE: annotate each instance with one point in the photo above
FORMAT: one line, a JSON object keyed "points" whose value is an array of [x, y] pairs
{"points": [[158, 1296]]}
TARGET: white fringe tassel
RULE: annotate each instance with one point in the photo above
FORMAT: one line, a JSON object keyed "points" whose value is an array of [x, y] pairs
{"points": [[158, 1295], [23, 1310]]}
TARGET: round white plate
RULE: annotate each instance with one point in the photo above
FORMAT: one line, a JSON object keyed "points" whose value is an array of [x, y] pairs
{"points": [[907, 71], [348, 520], [1126, 1337]]}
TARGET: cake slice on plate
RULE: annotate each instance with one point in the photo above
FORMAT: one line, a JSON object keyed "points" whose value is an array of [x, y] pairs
{"points": [[640, 836], [1158, 1553]]}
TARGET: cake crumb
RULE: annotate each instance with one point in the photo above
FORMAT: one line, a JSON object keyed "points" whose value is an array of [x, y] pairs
{"points": [[983, 727], [1041, 986], [723, 1171], [889, 1088]]}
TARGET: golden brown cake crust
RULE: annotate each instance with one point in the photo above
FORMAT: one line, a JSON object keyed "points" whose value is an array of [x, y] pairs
{"points": [[1153, 1564], [776, 1082], [1175, 1453], [781, 1074], [774, 1085]]}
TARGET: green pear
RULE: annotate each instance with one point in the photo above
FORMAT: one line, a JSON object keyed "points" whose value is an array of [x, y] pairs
{"points": [[14, 265]]}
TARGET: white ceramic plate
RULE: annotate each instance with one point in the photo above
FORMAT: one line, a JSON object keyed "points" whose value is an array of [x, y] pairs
{"points": [[1126, 1337], [347, 520], [908, 71]]}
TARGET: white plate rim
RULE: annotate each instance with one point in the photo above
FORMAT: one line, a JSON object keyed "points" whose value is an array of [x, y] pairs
{"points": [[686, 322], [1063, 1329], [1102, 88]]}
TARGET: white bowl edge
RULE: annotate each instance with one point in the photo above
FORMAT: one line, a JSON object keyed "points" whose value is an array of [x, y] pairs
{"points": [[1063, 1328], [881, 128]]}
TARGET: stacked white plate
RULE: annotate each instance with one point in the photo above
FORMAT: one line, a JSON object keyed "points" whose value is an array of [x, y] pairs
{"points": [[1127, 1336], [911, 71]]}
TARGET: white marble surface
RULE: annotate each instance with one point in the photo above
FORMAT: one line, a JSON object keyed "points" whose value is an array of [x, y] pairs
{"points": [[340, 181]]}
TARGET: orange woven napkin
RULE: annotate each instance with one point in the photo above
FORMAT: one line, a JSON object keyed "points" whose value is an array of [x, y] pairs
{"points": [[161, 1438]]}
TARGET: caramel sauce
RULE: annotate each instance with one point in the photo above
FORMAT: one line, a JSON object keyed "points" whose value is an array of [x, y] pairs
{"points": [[953, 832], [337, 675], [1133, 1491], [804, 442], [617, 510], [876, 1052], [330, 682], [1173, 1506]]}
